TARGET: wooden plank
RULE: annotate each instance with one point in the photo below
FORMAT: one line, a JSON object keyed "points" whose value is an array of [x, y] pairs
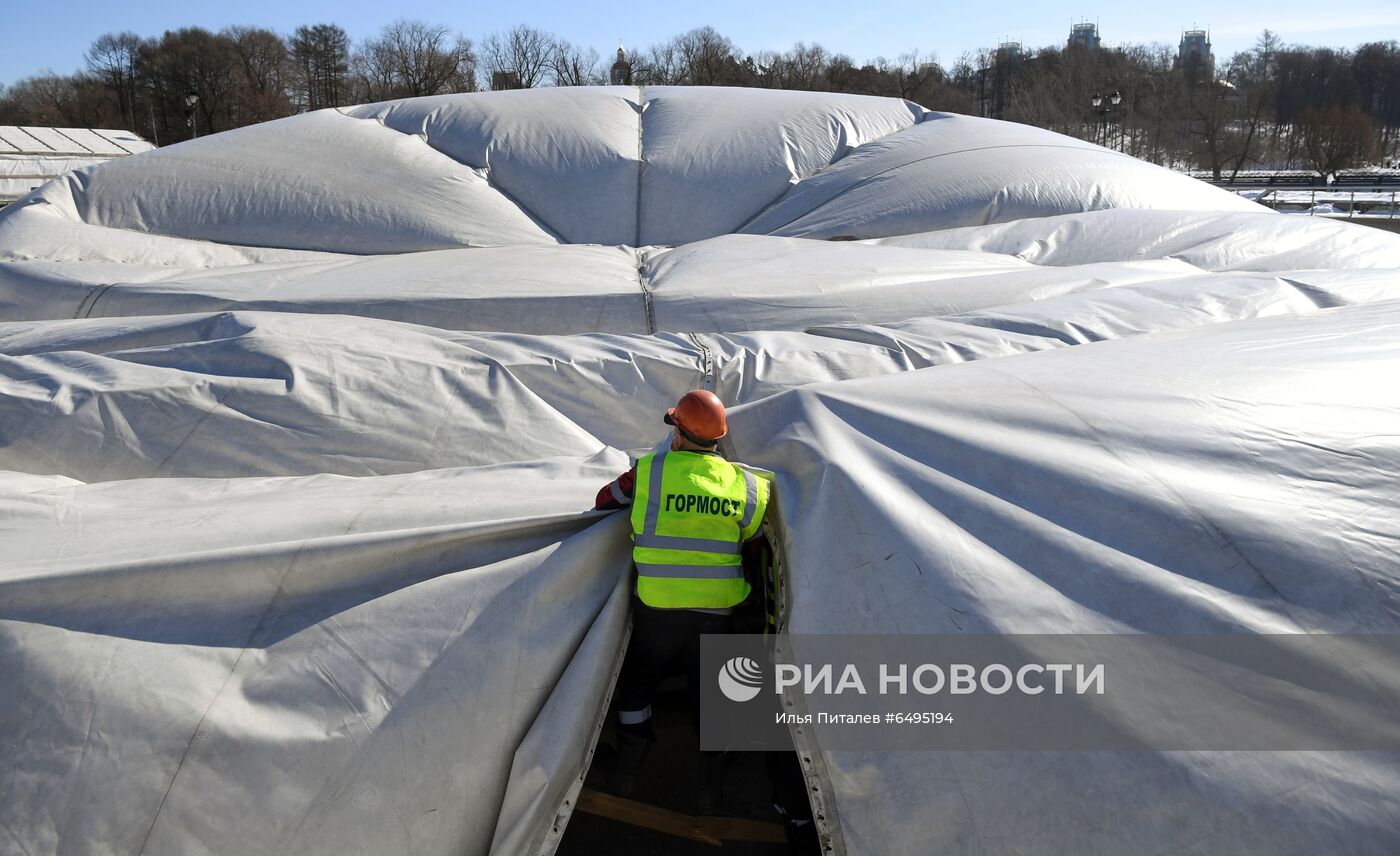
{"points": [[646, 816], [707, 830], [743, 829]]}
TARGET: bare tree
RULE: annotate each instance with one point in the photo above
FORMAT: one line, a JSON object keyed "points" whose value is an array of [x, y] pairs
{"points": [[320, 55], [842, 74], [916, 75], [523, 50], [807, 65], [1376, 66], [1336, 138], [661, 65], [1271, 104], [412, 58], [573, 65], [1211, 109], [262, 71], [803, 67], [191, 60], [707, 58], [112, 58], [44, 99], [1251, 73]]}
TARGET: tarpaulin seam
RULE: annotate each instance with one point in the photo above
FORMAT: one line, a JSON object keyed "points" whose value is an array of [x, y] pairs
{"points": [[12, 259], [62, 833], [648, 308], [218, 403], [89, 302], [820, 792], [707, 360], [647, 305], [233, 670], [641, 114]]}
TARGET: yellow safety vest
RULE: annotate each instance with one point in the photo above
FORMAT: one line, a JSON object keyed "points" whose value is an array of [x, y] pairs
{"points": [[691, 514]]}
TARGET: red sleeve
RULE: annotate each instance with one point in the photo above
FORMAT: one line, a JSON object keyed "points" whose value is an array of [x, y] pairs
{"points": [[623, 486]]}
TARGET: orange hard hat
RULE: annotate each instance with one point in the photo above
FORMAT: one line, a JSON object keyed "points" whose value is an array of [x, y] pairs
{"points": [[700, 415]]}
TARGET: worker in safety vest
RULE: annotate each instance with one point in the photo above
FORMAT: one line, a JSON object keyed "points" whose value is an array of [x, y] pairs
{"points": [[695, 518]]}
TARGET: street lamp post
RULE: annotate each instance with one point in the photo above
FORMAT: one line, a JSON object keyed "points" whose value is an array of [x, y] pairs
{"points": [[191, 101], [1103, 107]]}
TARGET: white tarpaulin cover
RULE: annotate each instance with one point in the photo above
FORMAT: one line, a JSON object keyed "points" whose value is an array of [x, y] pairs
{"points": [[299, 425]]}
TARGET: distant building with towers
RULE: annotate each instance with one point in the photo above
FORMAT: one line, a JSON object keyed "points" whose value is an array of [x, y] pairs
{"points": [[994, 82], [621, 72], [1195, 56], [1084, 36], [507, 79]]}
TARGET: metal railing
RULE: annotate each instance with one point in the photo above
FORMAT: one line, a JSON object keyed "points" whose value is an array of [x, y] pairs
{"points": [[1371, 200], [1380, 179]]}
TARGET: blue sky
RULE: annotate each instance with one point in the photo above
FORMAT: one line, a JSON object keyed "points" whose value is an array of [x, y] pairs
{"points": [[47, 35]]}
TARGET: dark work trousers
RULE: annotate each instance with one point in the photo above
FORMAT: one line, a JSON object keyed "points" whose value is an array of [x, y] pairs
{"points": [[664, 642]]}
